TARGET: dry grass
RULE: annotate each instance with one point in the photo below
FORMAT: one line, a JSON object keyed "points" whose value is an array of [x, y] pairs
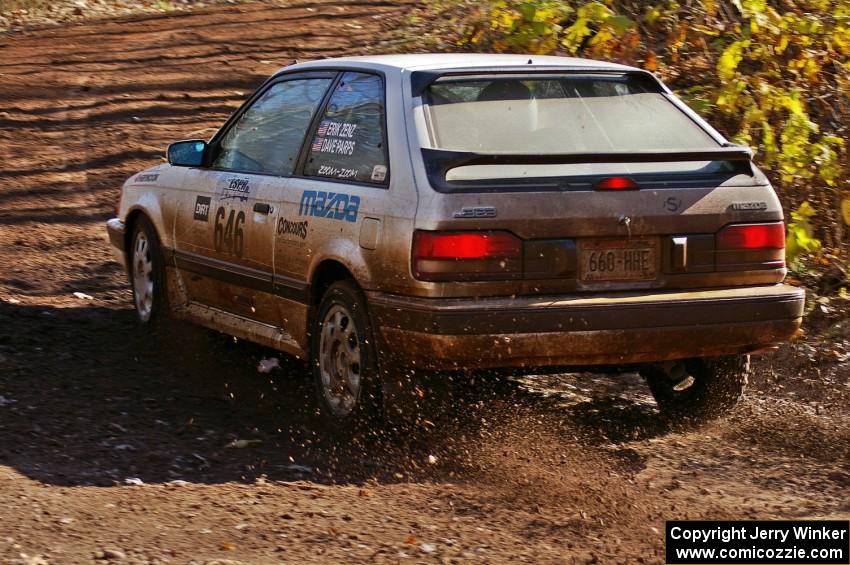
{"points": [[8, 5]]}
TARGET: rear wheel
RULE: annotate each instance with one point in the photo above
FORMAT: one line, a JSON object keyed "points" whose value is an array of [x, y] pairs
{"points": [[344, 359], [698, 389], [147, 273]]}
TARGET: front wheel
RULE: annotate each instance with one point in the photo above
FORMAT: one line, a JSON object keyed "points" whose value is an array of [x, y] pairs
{"points": [[698, 389], [344, 359], [147, 273]]}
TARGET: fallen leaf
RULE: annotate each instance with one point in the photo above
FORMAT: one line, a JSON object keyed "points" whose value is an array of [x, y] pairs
{"points": [[651, 62], [241, 443]]}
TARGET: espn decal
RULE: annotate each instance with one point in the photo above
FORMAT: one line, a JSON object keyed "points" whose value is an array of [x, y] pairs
{"points": [[236, 189]]}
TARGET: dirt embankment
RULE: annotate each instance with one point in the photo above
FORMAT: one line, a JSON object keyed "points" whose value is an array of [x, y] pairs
{"points": [[114, 445]]}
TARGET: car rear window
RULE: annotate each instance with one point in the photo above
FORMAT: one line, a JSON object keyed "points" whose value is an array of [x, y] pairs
{"points": [[560, 114]]}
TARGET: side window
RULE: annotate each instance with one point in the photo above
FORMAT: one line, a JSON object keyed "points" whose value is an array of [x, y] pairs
{"points": [[349, 140], [268, 135]]}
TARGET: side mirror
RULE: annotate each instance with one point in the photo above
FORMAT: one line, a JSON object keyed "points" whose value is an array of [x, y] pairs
{"points": [[187, 153]]}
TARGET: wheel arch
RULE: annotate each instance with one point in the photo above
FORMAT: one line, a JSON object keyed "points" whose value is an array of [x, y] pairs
{"points": [[327, 272], [133, 217], [148, 204]]}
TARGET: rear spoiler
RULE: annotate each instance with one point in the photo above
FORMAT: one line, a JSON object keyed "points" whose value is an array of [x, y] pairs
{"points": [[421, 80], [438, 162]]}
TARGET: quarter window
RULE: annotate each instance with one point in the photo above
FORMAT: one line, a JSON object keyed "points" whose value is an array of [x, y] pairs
{"points": [[348, 142], [268, 136]]}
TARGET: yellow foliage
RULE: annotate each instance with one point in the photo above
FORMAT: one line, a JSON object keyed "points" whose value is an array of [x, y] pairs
{"points": [[780, 80], [799, 239], [728, 62]]}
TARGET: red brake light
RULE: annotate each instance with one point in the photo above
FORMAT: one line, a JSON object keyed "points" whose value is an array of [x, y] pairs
{"points": [[466, 255], [752, 236], [483, 245], [616, 183]]}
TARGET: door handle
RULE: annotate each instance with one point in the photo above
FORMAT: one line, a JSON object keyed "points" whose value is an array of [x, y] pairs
{"points": [[262, 208]]}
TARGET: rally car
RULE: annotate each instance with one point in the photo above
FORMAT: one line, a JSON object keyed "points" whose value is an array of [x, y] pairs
{"points": [[383, 215]]}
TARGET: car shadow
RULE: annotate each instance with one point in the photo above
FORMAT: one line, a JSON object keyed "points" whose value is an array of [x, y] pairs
{"points": [[87, 397]]}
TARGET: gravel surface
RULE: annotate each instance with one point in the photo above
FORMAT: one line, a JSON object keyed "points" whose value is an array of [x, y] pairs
{"points": [[118, 446], [18, 15]]}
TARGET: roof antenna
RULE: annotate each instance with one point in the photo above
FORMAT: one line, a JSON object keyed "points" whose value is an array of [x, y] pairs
{"points": [[529, 61], [294, 62]]}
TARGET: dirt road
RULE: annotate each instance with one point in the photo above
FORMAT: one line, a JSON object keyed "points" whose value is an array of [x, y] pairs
{"points": [[116, 446]]}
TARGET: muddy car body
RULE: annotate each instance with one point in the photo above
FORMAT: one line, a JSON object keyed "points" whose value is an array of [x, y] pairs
{"points": [[444, 212]]}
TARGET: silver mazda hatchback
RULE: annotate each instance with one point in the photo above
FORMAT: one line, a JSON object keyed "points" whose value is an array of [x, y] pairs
{"points": [[379, 216]]}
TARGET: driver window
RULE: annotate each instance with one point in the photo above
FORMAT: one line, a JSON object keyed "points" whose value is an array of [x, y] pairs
{"points": [[268, 136]]}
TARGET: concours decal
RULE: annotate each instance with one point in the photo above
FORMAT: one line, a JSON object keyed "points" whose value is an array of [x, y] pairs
{"points": [[288, 227], [146, 177], [236, 189], [202, 208], [334, 205]]}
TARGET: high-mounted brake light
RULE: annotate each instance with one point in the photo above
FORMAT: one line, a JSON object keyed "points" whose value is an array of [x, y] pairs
{"points": [[486, 255], [616, 183], [751, 236]]}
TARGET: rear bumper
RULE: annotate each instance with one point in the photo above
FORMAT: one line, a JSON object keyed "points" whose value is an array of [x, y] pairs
{"points": [[115, 229], [613, 329]]}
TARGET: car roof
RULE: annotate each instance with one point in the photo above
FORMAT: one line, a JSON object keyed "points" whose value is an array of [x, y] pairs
{"points": [[449, 61]]}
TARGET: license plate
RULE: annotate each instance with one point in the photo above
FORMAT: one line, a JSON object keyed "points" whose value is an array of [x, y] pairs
{"points": [[617, 259]]}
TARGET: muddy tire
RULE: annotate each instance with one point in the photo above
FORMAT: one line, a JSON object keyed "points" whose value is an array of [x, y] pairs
{"points": [[147, 274], [344, 361], [698, 389]]}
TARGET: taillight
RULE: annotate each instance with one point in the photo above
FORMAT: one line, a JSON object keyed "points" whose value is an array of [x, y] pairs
{"points": [[616, 183], [747, 247], [751, 236], [485, 255]]}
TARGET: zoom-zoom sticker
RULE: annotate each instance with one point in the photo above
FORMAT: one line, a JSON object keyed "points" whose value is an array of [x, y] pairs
{"points": [[333, 205], [202, 208]]}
